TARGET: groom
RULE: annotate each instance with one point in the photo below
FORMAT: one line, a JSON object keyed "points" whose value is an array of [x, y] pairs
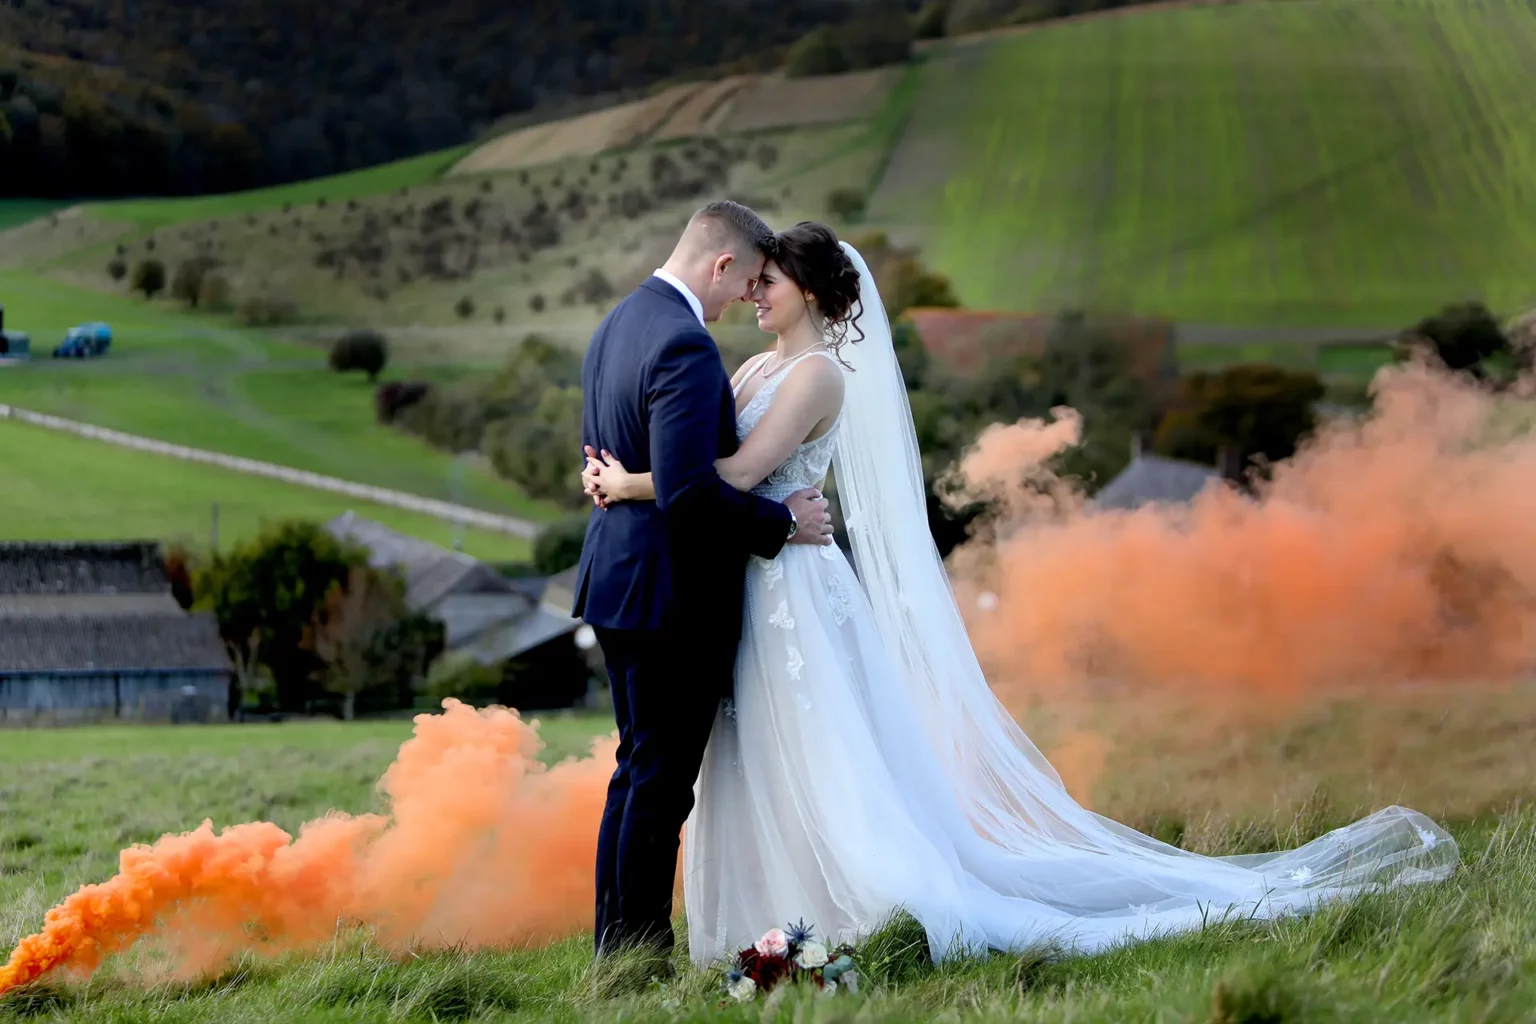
{"points": [[661, 582]]}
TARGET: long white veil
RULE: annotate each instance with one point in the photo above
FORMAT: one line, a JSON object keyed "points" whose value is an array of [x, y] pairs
{"points": [[1013, 798]]}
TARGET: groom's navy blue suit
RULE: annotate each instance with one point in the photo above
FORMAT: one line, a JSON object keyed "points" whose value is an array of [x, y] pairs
{"points": [[661, 583]]}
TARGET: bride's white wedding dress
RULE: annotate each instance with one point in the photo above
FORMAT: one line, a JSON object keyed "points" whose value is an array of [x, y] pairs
{"points": [[864, 767]]}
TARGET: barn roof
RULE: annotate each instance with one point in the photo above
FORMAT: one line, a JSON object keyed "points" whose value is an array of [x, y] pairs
{"points": [[73, 567], [131, 642], [431, 572], [1155, 478]]}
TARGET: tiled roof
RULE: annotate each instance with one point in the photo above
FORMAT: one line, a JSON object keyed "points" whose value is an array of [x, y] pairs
{"points": [[81, 568], [1154, 478], [430, 572], [168, 641]]}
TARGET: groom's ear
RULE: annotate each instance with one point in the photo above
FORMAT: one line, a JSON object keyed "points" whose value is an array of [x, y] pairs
{"points": [[722, 263]]}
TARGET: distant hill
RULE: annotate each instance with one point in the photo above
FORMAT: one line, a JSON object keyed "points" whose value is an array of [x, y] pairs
{"points": [[1321, 164], [181, 96]]}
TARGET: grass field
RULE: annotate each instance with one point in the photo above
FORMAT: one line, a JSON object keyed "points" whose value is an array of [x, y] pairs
{"points": [[20, 211], [196, 381], [1318, 162], [370, 181], [62, 487], [1461, 951]]}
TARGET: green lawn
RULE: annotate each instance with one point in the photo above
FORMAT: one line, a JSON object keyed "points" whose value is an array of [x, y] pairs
{"points": [[19, 211], [199, 381], [1316, 162], [70, 799], [370, 181], [59, 486]]}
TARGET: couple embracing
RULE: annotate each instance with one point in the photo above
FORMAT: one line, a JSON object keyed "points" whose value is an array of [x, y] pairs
{"points": [[820, 729]]}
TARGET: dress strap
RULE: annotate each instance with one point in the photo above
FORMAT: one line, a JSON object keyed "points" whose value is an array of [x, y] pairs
{"points": [[753, 365]]}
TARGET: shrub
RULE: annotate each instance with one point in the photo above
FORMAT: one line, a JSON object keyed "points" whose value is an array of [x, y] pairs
{"points": [[215, 294], [1463, 336], [393, 398], [460, 675], [558, 546], [818, 52], [846, 204], [149, 277], [535, 451], [465, 307], [268, 310], [364, 350], [499, 315], [537, 303], [187, 284], [117, 267], [929, 22]]}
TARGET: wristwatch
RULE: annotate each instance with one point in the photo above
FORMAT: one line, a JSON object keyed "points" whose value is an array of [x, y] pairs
{"points": [[794, 524]]}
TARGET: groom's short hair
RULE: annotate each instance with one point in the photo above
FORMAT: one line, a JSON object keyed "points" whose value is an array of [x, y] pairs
{"points": [[734, 226]]}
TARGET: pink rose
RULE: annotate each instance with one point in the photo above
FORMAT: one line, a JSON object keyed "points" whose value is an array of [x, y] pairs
{"points": [[773, 943]]}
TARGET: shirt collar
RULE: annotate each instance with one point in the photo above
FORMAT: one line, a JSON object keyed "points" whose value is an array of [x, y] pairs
{"points": [[692, 299]]}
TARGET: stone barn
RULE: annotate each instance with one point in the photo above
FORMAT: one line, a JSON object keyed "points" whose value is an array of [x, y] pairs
{"points": [[91, 631]]}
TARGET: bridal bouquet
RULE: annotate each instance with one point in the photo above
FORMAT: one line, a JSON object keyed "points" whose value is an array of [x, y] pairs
{"points": [[793, 955]]}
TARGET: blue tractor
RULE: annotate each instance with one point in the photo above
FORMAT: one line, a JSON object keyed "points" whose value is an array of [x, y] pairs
{"points": [[84, 342]]}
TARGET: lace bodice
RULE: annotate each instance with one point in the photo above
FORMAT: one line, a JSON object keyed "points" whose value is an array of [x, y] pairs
{"points": [[807, 465]]}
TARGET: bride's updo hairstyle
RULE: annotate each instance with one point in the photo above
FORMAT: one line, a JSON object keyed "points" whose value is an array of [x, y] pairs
{"points": [[812, 258]]}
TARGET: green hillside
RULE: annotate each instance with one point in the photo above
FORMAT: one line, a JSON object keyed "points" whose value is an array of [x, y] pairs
{"points": [[193, 380], [1314, 162]]}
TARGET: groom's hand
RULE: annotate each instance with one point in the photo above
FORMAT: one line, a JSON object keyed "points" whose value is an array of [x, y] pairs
{"points": [[810, 510]]}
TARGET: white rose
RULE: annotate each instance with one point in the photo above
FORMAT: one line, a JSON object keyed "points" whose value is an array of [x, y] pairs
{"points": [[742, 989], [811, 955], [850, 981]]}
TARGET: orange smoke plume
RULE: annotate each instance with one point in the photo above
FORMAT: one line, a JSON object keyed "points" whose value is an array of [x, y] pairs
{"points": [[481, 846], [1392, 548]]}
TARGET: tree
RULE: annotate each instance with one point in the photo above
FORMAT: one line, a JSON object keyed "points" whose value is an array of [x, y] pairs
{"points": [[149, 277], [904, 282], [558, 546], [214, 293], [1253, 409], [117, 268], [265, 595], [364, 350], [187, 284], [1464, 336], [929, 21], [349, 629], [818, 52], [535, 451]]}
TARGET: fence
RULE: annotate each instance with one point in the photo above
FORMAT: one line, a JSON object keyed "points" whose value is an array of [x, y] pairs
{"points": [[445, 510]]}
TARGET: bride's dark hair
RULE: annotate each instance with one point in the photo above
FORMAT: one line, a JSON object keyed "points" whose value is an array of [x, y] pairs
{"points": [[810, 255]]}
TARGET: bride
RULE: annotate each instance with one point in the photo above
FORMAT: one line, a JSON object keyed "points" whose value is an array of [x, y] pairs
{"points": [[864, 766]]}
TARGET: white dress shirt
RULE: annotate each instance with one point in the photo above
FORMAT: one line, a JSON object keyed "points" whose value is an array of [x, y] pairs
{"points": [[693, 300]]}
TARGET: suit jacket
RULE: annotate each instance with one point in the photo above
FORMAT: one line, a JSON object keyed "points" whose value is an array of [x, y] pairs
{"points": [[656, 395]]}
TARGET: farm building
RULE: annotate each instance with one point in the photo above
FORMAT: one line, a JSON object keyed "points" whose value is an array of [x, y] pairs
{"points": [[1156, 479], [485, 615], [91, 631]]}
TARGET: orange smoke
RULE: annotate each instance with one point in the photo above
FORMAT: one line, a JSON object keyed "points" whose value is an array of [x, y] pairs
{"points": [[481, 846], [1396, 547]]}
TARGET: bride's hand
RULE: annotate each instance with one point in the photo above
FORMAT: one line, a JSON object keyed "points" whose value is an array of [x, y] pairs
{"points": [[606, 479]]}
